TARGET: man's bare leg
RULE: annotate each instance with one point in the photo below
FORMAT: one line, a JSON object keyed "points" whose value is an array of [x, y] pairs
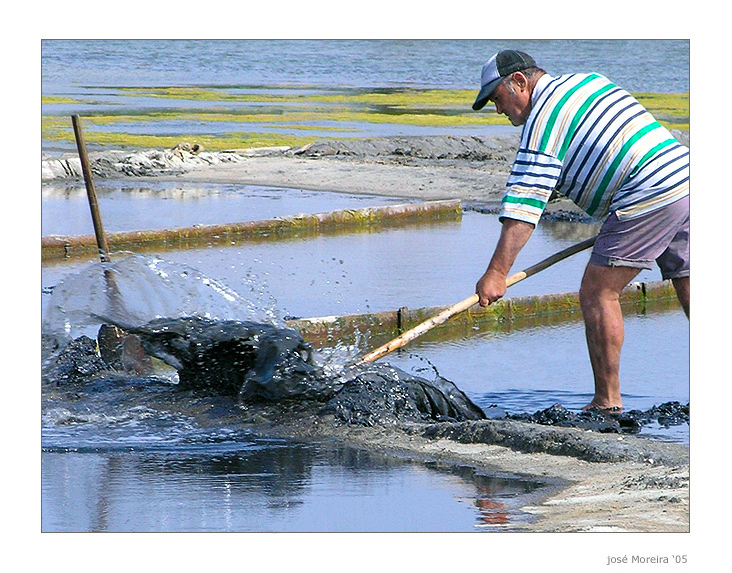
{"points": [[600, 301], [682, 292]]}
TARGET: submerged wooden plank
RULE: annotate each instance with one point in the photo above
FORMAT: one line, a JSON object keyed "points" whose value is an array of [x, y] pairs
{"points": [[304, 225]]}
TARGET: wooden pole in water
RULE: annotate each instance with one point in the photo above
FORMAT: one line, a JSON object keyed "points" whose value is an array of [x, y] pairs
{"points": [[90, 191], [111, 339], [463, 305]]}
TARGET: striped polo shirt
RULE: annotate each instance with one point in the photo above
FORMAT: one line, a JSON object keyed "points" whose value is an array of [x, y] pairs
{"points": [[592, 142]]}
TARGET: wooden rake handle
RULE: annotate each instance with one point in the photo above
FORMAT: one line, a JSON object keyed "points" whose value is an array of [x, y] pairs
{"points": [[463, 305]]}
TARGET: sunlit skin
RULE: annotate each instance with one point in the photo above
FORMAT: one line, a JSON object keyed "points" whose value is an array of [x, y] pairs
{"points": [[601, 286], [512, 98]]}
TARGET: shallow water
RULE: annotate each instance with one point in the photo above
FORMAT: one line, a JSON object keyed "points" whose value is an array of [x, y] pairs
{"points": [[533, 369], [131, 206], [187, 492], [272, 486], [381, 270], [124, 462], [311, 67]]}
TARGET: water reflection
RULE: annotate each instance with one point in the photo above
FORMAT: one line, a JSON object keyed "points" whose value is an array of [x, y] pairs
{"points": [[166, 204], [137, 455], [275, 487], [495, 497]]}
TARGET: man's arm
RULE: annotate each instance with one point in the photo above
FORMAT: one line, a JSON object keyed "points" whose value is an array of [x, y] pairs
{"points": [[492, 285]]}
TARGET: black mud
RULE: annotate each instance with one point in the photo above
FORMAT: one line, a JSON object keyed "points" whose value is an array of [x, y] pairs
{"points": [[553, 212], [271, 373], [265, 367], [631, 422], [445, 148], [562, 441]]}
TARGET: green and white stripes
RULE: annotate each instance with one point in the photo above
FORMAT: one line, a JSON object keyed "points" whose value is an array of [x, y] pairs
{"points": [[592, 141]]}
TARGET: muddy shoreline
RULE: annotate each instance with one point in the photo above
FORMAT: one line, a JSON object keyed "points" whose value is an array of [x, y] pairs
{"points": [[616, 482], [472, 169], [603, 482]]}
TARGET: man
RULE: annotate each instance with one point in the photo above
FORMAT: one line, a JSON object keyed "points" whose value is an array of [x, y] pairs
{"points": [[591, 141]]}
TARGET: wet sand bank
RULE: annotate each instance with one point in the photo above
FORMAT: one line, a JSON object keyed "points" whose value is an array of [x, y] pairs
{"points": [[605, 482]]}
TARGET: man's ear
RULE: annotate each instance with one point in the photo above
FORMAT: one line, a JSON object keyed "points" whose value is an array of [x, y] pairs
{"points": [[520, 80]]}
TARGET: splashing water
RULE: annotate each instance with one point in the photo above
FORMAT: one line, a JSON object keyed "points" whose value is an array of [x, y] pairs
{"points": [[337, 357], [135, 290]]}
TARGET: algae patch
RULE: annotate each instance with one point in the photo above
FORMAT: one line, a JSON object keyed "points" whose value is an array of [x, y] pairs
{"points": [[229, 117], [670, 109]]}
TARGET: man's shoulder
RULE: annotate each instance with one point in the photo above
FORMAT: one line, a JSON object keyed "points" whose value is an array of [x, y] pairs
{"points": [[557, 90], [575, 78]]}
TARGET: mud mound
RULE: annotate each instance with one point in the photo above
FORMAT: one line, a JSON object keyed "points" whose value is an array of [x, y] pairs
{"points": [[77, 362], [142, 163], [264, 364], [449, 147], [555, 210], [561, 441], [631, 422], [384, 395]]}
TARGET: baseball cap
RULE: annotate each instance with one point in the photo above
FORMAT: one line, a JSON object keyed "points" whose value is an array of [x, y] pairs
{"points": [[502, 64]]}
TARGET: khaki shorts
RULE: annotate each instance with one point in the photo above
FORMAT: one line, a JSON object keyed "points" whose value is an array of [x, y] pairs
{"points": [[661, 236]]}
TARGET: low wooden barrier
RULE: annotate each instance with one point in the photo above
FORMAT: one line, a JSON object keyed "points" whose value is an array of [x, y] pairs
{"points": [[505, 315], [55, 247]]}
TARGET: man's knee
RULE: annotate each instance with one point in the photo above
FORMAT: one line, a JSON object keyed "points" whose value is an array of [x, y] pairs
{"points": [[604, 284], [681, 284]]}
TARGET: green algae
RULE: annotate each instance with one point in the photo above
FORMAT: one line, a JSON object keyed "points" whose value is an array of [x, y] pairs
{"points": [[292, 94], [188, 93], [52, 100], [670, 109], [278, 113], [675, 103], [209, 142]]}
